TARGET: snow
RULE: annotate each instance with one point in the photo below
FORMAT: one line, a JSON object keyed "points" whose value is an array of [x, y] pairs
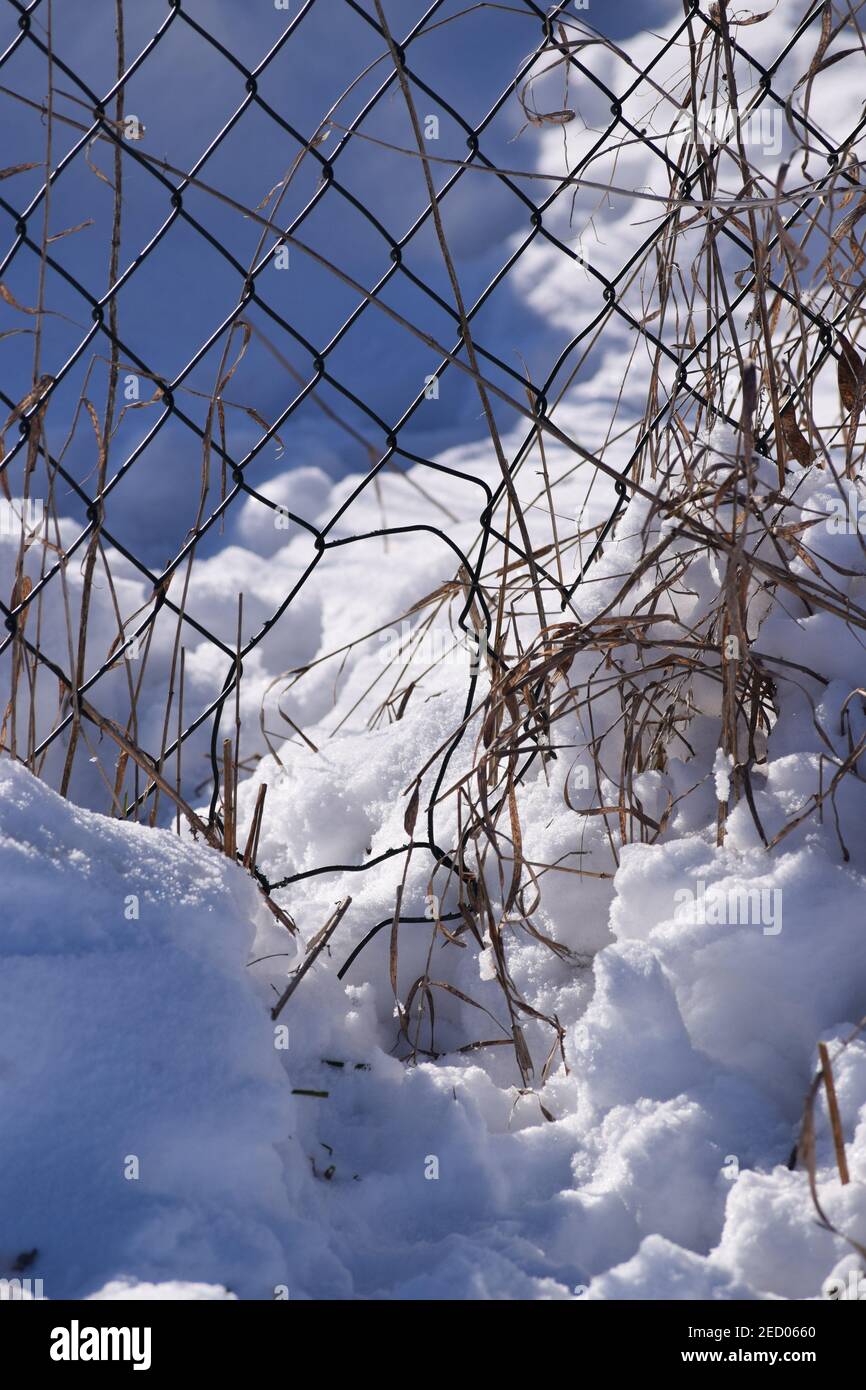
{"points": [[141, 1101], [130, 1290], [160, 1137], [690, 1041], [722, 774]]}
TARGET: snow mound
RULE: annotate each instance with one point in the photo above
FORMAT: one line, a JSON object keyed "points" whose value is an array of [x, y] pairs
{"points": [[140, 1094]]}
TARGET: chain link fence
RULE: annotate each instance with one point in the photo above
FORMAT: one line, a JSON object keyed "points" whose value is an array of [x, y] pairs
{"points": [[194, 203]]}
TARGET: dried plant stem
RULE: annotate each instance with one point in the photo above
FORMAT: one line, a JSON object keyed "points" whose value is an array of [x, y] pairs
{"points": [[833, 1111], [229, 836], [252, 845], [108, 416], [314, 951]]}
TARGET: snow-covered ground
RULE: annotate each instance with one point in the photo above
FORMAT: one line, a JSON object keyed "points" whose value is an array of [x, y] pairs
{"points": [[161, 1136], [158, 1127]]}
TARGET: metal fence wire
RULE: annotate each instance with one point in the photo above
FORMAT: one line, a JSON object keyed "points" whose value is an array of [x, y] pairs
{"points": [[190, 199]]}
